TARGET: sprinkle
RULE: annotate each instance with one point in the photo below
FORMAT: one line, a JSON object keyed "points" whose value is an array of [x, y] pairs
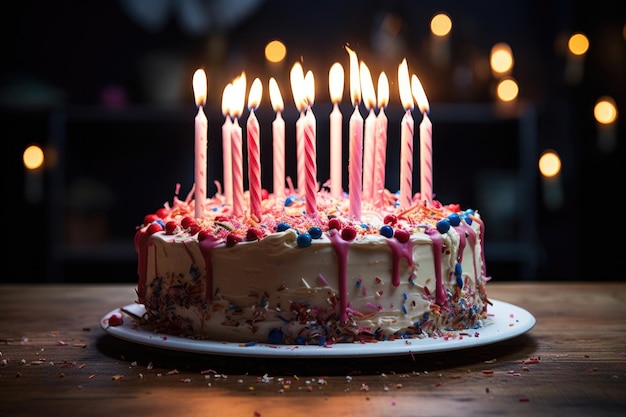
{"points": [[322, 279], [117, 377]]}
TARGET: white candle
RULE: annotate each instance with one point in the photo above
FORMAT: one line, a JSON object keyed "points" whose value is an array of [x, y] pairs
{"points": [[254, 150], [369, 145], [380, 162], [336, 80], [426, 143], [201, 129], [297, 82], [355, 162], [406, 137], [239, 97], [227, 149], [278, 141]]}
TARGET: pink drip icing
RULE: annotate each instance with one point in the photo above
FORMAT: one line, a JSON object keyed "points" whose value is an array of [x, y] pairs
{"points": [[482, 244], [440, 293], [462, 243], [206, 248], [141, 247], [341, 248], [471, 235], [399, 251]]}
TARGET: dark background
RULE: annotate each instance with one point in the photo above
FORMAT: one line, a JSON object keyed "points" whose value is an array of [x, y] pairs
{"points": [[105, 89]]}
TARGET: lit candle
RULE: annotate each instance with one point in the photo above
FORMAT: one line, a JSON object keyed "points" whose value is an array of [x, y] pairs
{"points": [[369, 99], [254, 149], [278, 145], [310, 147], [406, 137], [336, 79], [297, 80], [381, 140], [227, 149], [239, 98], [201, 128], [355, 162], [426, 143]]}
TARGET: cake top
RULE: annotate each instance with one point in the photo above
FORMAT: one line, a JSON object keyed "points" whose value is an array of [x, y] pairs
{"points": [[384, 217]]}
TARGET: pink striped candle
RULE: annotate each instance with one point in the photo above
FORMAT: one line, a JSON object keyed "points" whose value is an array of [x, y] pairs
{"points": [[381, 140], [297, 88], [310, 148], [278, 142], [406, 137], [335, 85], [369, 146], [239, 95], [227, 149], [426, 143], [355, 162], [201, 128], [254, 150]]}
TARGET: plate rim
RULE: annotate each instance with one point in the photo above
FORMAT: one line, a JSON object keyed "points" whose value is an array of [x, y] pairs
{"points": [[499, 327]]}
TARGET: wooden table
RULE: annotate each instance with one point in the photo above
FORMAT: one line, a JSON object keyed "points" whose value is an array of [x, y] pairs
{"points": [[57, 361]]}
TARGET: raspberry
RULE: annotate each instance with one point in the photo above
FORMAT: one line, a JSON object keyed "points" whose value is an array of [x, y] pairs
{"points": [[232, 239], [254, 233], [402, 235], [115, 320], [348, 233], [334, 223], [170, 227], [187, 221], [149, 219], [390, 219], [153, 228], [162, 212]]}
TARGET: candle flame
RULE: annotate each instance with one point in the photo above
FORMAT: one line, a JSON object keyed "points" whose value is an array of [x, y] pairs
{"points": [[309, 86], [367, 86], [419, 94], [383, 90], [355, 83], [275, 96], [226, 97], [254, 96], [297, 86], [336, 79], [404, 84], [199, 87], [239, 96]]}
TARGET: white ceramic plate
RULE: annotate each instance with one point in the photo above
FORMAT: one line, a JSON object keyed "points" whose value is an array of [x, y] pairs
{"points": [[505, 321]]}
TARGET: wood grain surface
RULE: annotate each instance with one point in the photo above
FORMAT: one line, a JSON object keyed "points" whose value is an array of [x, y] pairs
{"points": [[55, 360]]}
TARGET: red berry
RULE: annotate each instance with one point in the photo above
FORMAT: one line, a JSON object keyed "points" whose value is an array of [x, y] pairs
{"points": [[170, 227], [149, 218], [153, 228], [232, 239], [162, 212], [264, 194], [187, 221], [254, 233], [390, 219], [203, 234], [115, 320], [334, 223], [402, 235], [194, 228], [348, 233]]}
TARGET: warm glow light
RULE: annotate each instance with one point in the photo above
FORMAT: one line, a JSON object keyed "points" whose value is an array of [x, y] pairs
{"points": [[441, 24], [275, 51], [33, 157], [383, 90], [605, 110], [297, 86], [578, 44], [254, 97], [501, 60], [199, 87], [335, 82], [419, 94], [239, 95], [507, 90], [355, 83], [277, 99], [404, 84], [309, 88], [549, 164], [367, 86], [226, 97]]}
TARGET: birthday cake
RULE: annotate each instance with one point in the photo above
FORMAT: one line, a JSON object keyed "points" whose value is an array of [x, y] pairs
{"points": [[293, 278], [310, 264]]}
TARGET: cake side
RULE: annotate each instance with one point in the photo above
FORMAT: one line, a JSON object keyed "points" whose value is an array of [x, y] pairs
{"points": [[313, 279]]}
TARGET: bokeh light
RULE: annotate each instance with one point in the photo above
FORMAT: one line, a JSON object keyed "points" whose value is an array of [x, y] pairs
{"points": [[33, 157], [441, 25], [275, 51], [549, 164], [605, 110]]}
